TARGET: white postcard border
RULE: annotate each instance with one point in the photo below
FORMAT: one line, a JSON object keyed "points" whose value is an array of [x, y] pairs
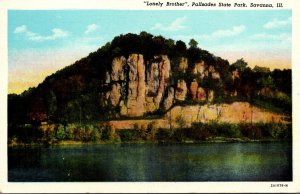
{"points": [[139, 187]]}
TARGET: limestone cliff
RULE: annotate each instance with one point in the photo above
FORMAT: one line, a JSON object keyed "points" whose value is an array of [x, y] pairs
{"points": [[135, 104], [117, 73], [237, 112], [143, 95], [158, 77], [138, 87], [181, 90]]}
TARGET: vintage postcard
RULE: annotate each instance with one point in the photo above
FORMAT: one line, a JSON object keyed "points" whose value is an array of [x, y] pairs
{"points": [[149, 96]]}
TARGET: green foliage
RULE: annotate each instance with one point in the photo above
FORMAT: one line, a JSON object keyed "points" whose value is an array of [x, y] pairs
{"points": [[266, 81], [71, 130], [278, 104], [96, 134], [259, 69], [223, 129], [251, 131], [138, 133], [108, 134], [180, 49], [163, 134], [61, 132], [240, 64], [180, 122], [51, 103], [197, 132], [201, 131], [193, 43], [234, 131], [24, 133], [152, 131], [276, 130], [283, 80], [128, 135]]}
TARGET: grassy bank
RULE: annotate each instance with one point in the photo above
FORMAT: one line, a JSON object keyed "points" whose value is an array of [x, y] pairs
{"points": [[71, 134]]}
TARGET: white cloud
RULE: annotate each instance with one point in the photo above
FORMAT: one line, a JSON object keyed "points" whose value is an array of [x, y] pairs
{"points": [[56, 34], [284, 37], [223, 33], [176, 25], [275, 23], [91, 28], [235, 30], [20, 29], [231, 32]]}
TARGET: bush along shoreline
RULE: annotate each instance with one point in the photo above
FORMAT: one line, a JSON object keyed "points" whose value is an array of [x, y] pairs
{"points": [[51, 134]]}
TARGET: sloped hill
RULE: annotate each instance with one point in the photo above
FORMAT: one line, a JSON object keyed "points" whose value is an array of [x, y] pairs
{"points": [[140, 75]]}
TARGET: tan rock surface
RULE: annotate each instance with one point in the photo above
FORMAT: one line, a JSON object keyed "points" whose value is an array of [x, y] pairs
{"points": [[168, 102], [181, 90], [115, 94], [136, 93], [236, 112], [193, 89], [183, 64], [199, 69], [117, 73], [201, 94]]}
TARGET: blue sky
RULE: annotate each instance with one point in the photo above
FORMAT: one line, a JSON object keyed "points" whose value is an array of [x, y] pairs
{"points": [[41, 42]]}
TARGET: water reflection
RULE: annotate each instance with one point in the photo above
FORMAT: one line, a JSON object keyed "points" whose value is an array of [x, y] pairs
{"points": [[147, 162]]}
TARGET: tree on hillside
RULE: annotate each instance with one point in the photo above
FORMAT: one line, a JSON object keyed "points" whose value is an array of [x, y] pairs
{"points": [[193, 43], [180, 46], [266, 81], [261, 69], [51, 104], [283, 80], [240, 65]]}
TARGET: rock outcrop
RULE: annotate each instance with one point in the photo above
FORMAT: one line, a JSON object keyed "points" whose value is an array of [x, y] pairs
{"points": [[210, 96], [237, 112], [115, 94], [143, 95], [235, 76], [169, 100], [181, 90], [158, 76], [201, 94], [136, 86], [183, 64], [199, 69], [117, 73], [193, 89]]}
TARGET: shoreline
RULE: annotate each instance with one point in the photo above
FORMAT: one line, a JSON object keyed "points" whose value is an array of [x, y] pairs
{"points": [[214, 132], [155, 142]]}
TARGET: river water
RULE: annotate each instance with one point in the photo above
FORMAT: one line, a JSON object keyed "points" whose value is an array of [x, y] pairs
{"points": [[270, 161]]}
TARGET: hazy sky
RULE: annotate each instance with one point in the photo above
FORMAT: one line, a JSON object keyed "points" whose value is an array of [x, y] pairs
{"points": [[42, 42]]}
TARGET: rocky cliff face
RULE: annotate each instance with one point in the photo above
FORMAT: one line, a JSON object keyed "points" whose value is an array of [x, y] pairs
{"points": [[199, 69], [183, 64], [237, 112], [117, 73], [158, 80], [138, 87], [135, 103]]}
